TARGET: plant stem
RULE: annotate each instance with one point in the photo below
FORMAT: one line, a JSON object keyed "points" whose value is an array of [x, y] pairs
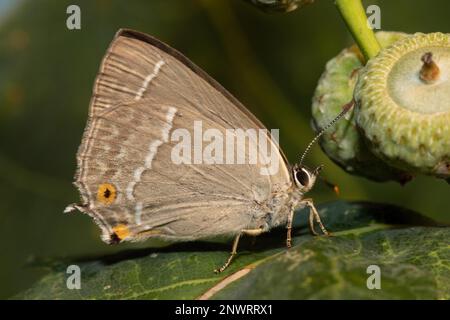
{"points": [[352, 11]]}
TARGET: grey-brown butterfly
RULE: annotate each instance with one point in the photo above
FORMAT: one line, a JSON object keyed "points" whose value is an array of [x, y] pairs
{"points": [[145, 92]]}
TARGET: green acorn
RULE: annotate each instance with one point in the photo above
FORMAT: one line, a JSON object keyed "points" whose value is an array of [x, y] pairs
{"points": [[343, 142], [403, 104]]}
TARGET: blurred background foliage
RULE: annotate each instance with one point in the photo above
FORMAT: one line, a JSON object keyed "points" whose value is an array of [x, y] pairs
{"points": [[270, 62]]}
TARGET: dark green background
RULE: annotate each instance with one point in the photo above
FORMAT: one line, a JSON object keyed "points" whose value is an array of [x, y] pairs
{"points": [[270, 62]]}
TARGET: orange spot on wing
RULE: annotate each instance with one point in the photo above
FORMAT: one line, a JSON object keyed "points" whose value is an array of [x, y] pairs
{"points": [[106, 193], [121, 231]]}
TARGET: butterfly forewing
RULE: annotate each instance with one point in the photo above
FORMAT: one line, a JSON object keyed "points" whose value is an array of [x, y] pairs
{"points": [[127, 175]]}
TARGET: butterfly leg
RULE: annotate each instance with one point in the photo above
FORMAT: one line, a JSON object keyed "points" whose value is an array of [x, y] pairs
{"points": [[251, 232], [311, 224], [313, 213], [289, 229]]}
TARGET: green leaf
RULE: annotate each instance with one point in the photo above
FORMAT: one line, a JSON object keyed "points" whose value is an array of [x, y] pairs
{"points": [[413, 261]]}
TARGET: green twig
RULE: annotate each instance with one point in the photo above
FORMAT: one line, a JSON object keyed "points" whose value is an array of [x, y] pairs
{"points": [[352, 11]]}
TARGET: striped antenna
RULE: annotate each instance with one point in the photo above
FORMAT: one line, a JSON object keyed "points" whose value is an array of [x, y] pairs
{"points": [[345, 109]]}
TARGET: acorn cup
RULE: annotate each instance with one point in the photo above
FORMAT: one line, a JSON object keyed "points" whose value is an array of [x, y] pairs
{"points": [[343, 142], [400, 126], [403, 104]]}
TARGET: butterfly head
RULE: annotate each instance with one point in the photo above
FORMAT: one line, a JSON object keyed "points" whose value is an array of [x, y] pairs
{"points": [[304, 177]]}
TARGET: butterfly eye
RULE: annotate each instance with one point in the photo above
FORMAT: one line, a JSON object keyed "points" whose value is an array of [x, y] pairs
{"points": [[302, 177], [106, 193]]}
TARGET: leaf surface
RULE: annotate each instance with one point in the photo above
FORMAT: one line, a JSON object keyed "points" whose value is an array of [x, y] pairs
{"points": [[411, 252]]}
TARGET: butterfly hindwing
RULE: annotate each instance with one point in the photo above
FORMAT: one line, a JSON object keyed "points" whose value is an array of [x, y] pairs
{"points": [[127, 176]]}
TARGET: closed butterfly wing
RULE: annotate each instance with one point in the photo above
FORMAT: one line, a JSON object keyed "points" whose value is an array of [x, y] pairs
{"points": [[150, 105]]}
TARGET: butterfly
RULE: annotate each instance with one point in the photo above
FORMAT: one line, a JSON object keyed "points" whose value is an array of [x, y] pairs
{"points": [[145, 93]]}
